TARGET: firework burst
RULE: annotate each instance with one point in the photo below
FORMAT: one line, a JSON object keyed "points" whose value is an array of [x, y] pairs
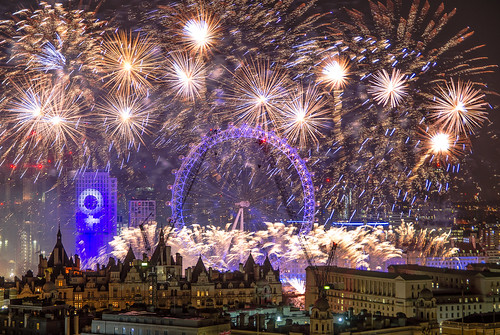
{"points": [[56, 43], [335, 73], [458, 108], [185, 75], [200, 32], [257, 94], [132, 62], [44, 118], [388, 88], [304, 116], [126, 119]]}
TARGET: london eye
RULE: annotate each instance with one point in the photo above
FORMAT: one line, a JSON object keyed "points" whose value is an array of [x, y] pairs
{"points": [[240, 178]]}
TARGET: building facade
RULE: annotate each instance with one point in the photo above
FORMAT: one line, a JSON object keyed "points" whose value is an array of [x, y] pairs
{"points": [[157, 281], [148, 323], [95, 213], [376, 292]]}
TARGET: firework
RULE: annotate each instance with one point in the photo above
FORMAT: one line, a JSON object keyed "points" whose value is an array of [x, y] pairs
{"points": [[43, 117], [459, 109], [185, 75], [280, 31], [257, 94], [388, 88], [304, 116], [131, 62], [443, 146], [363, 247], [54, 42], [200, 32], [335, 73], [126, 118], [396, 60]]}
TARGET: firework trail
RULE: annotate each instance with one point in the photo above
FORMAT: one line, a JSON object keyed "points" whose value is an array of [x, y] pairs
{"points": [[401, 79], [364, 247], [55, 43], [354, 95]]}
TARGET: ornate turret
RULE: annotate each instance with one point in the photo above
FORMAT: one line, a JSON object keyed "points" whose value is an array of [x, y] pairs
{"points": [[321, 318], [59, 258]]}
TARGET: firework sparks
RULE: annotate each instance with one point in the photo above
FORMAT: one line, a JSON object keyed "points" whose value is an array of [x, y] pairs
{"points": [[186, 75], [54, 42], [304, 116], [258, 92], [387, 88], [131, 62], [335, 73], [43, 117], [366, 247], [200, 33], [458, 108], [439, 147], [443, 146], [126, 118]]}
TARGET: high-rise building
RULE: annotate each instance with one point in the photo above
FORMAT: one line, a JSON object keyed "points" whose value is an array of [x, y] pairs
{"points": [[95, 214], [140, 211]]}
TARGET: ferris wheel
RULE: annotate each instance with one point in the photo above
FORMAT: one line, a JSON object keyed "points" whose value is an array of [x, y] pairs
{"points": [[240, 178]]}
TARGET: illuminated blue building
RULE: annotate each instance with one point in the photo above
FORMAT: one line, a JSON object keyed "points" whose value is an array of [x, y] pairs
{"points": [[95, 214]]}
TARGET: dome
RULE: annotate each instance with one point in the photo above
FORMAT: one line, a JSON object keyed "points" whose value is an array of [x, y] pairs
{"points": [[425, 294], [322, 304], [49, 287]]}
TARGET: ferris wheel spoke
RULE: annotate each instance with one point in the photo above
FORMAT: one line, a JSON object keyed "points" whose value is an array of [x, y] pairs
{"points": [[245, 170]]}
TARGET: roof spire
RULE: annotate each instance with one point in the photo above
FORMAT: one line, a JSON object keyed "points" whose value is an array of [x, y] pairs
{"points": [[162, 237], [59, 236]]}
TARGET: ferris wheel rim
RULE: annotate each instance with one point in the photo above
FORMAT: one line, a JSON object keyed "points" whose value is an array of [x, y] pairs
{"points": [[215, 137]]}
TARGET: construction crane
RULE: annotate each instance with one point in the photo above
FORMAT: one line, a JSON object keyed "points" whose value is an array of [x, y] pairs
{"points": [[320, 277], [147, 245]]}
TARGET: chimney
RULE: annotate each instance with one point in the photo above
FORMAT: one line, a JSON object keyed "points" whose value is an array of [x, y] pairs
{"points": [[188, 274], [67, 325], [241, 267], [76, 324], [178, 259], [169, 255], [77, 262]]}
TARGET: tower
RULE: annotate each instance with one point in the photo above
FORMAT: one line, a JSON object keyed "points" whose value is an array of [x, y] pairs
{"points": [[95, 214], [321, 318]]}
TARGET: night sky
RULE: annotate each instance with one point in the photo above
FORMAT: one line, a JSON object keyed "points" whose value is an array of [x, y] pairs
{"points": [[480, 15]]}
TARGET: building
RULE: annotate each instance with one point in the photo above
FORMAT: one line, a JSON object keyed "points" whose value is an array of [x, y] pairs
{"points": [[95, 213], [157, 281], [141, 211], [476, 324], [421, 292], [35, 316], [375, 292], [458, 293], [376, 324], [143, 322], [465, 253], [321, 318]]}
